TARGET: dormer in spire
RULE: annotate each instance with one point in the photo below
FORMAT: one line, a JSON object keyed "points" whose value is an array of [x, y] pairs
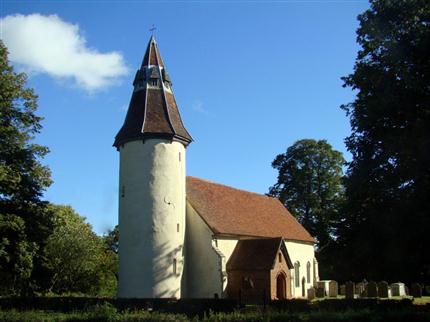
{"points": [[152, 112]]}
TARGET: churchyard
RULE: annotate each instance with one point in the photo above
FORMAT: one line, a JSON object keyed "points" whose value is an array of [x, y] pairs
{"points": [[328, 301], [327, 309], [365, 289]]}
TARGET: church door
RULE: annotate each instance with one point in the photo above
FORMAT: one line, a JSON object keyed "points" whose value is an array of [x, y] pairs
{"points": [[281, 287]]}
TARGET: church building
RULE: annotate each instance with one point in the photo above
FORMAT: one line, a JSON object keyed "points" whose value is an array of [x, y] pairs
{"points": [[186, 237]]}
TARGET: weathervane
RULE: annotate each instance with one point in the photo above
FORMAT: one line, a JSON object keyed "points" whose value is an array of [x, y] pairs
{"points": [[152, 29]]}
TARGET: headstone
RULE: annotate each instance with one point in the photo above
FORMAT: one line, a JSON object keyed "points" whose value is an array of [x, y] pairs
{"points": [[319, 292], [324, 285], [359, 288], [311, 293], [383, 289], [372, 289], [398, 289], [349, 290], [332, 289], [416, 290], [342, 290]]}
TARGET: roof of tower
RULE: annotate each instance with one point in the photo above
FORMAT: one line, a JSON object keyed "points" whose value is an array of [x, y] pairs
{"points": [[153, 112], [152, 54], [230, 211]]}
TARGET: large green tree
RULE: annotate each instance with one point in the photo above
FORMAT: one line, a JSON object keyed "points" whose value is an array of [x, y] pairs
{"points": [[24, 222], [310, 186], [385, 234], [79, 259]]}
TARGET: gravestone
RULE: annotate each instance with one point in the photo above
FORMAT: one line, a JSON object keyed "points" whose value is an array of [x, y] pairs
{"points": [[398, 289], [359, 288], [372, 289], [342, 290], [311, 293], [416, 290], [324, 285], [332, 289], [319, 292], [349, 290], [383, 289]]}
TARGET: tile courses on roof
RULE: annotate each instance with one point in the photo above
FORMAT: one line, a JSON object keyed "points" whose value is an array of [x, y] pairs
{"points": [[257, 254], [153, 112], [230, 211]]}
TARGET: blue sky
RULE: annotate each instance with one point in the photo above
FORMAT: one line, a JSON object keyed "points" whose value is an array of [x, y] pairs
{"points": [[250, 78]]}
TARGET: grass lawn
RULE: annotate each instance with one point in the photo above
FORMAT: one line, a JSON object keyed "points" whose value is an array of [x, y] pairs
{"points": [[106, 312], [422, 300], [141, 316], [331, 311]]}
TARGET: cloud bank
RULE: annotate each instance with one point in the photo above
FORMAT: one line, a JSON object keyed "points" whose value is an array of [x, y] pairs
{"points": [[47, 44]]}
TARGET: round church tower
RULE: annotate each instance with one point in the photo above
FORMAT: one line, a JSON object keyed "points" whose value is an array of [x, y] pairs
{"points": [[152, 144]]}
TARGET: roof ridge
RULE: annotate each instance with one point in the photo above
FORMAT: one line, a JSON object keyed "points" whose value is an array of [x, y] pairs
{"points": [[224, 185]]}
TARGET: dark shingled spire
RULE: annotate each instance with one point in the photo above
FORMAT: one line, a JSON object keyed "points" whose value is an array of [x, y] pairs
{"points": [[153, 112]]}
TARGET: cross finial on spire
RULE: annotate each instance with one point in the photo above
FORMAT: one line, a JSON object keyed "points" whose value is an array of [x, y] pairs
{"points": [[152, 29]]}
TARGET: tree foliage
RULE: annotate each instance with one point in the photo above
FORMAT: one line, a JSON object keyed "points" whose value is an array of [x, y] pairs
{"points": [[111, 239], [385, 232], [24, 221], [77, 256], [310, 186]]}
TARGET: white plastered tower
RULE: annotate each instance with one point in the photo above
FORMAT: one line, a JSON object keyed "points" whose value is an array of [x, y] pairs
{"points": [[152, 144]]}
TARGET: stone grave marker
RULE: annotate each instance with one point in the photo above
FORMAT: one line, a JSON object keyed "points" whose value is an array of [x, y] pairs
{"points": [[398, 289], [349, 290], [359, 288], [311, 293], [320, 293], [342, 290], [332, 289], [372, 289], [416, 290], [383, 289]]}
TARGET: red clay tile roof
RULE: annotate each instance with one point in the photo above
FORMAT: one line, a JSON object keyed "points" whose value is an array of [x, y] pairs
{"points": [[257, 254], [230, 211], [153, 112]]}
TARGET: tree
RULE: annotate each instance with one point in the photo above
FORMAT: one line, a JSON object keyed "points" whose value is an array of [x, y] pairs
{"points": [[111, 239], [24, 222], [77, 256], [310, 186], [385, 232]]}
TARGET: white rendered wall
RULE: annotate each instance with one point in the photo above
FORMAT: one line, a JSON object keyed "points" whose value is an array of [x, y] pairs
{"points": [[204, 264], [151, 208], [303, 253], [226, 248]]}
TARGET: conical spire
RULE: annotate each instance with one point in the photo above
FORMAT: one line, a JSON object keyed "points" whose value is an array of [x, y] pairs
{"points": [[152, 112]]}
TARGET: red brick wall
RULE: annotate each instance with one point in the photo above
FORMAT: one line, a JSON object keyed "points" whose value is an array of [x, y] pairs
{"points": [[280, 267]]}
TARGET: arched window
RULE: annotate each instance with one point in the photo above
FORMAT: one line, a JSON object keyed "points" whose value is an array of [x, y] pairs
{"points": [[308, 272], [297, 273], [280, 258]]}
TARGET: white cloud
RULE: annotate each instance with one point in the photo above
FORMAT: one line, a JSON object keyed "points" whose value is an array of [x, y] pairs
{"points": [[47, 44], [124, 108], [199, 108]]}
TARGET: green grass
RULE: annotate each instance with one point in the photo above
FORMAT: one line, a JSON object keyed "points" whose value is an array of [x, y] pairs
{"points": [[422, 300], [109, 314], [106, 312]]}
